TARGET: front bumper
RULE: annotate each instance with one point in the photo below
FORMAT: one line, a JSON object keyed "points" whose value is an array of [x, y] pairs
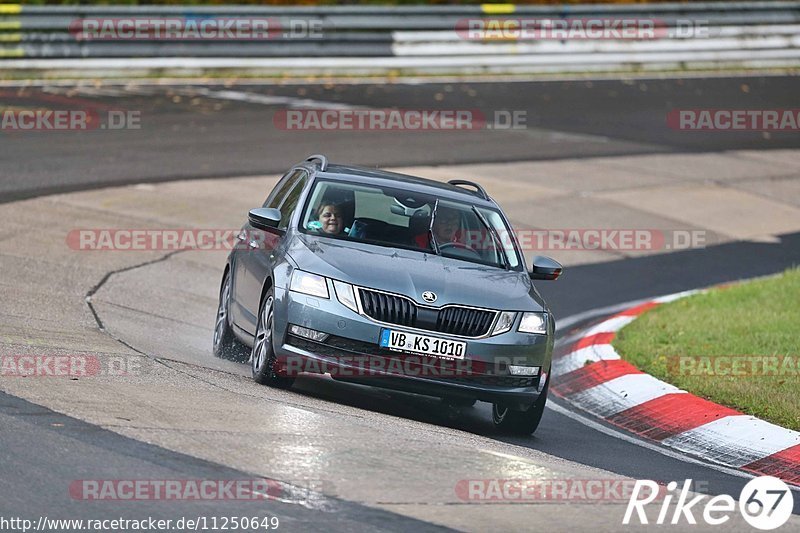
{"points": [[352, 353]]}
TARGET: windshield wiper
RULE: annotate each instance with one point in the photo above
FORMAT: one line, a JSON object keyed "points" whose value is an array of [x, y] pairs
{"points": [[495, 237], [431, 236]]}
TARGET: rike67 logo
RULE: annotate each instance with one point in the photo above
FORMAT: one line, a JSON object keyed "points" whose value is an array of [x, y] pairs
{"points": [[765, 503]]}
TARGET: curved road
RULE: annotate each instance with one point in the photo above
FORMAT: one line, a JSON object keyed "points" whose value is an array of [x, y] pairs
{"points": [[190, 132], [189, 135]]}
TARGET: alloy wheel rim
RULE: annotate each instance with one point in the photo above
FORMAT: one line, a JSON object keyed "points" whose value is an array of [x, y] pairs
{"points": [[499, 413], [222, 312], [263, 336]]}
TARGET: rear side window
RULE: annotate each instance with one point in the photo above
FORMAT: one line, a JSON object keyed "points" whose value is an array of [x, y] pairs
{"points": [[279, 192], [289, 203]]}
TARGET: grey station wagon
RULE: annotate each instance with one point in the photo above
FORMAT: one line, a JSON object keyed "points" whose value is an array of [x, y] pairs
{"points": [[393, 281]]}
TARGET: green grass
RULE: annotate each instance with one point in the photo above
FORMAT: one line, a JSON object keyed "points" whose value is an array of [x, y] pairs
{"points": [[759, 318]]}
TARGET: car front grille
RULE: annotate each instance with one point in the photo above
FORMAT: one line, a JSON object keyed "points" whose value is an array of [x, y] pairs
{"points": [[453, 320], [388, 308], [464, 321]]}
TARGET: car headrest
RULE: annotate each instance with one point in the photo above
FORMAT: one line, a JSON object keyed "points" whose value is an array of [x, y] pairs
{"points": [[419, 223]]}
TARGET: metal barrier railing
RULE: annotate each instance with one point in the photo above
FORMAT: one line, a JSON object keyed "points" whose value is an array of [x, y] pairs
{"points": [[700, 34]]}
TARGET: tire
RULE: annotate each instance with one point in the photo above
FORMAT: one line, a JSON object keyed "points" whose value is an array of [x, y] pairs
{"points": [[263, 360], [225, 343], [520, 422]]}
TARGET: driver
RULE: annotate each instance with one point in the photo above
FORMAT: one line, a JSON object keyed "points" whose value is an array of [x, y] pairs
{"points": [[329, 219], [445, 228]]}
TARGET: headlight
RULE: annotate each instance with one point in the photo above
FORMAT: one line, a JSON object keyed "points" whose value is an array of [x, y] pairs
{"points": [[309, 284], [504, 323], [533, 323], [345, 295]]}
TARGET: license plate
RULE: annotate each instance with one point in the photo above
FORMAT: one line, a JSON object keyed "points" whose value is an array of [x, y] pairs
{"points": [[422, 344]]}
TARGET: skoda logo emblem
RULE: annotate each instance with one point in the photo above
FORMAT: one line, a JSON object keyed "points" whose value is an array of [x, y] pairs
{"points": [[429, 296]]}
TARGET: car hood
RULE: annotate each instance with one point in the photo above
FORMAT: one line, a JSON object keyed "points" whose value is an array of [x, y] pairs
{"points": [[411, 273]]}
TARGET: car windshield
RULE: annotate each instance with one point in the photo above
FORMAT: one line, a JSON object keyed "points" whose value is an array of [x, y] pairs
{"points": [[393, 217]]}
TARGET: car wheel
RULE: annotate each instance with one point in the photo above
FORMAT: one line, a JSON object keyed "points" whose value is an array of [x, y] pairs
{"points": [[263, 361], [520, 422], [226, 345]]}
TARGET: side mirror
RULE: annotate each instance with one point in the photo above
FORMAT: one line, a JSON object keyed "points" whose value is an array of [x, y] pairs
{"points": [[265, 218], [545, 268]]}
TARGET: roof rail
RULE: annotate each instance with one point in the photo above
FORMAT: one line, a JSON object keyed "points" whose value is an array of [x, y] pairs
{"points": [[479, 191], [323, 161]]}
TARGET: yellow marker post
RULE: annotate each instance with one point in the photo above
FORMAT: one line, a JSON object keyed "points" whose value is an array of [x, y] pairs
{"points": [[10, 37], [10, 9], [10, 25], [12, 52], [498, 9]]}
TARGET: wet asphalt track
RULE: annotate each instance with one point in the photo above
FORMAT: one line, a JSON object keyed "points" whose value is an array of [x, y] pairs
{"points": [[187, 136]]}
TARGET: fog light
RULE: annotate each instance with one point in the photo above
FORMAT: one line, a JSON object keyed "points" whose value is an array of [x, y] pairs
{"points": [[314, 335], [517, 370]]}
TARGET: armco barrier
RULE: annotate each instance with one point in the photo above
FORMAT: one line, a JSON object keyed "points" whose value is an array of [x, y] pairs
{"points": [[366, 39]]}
